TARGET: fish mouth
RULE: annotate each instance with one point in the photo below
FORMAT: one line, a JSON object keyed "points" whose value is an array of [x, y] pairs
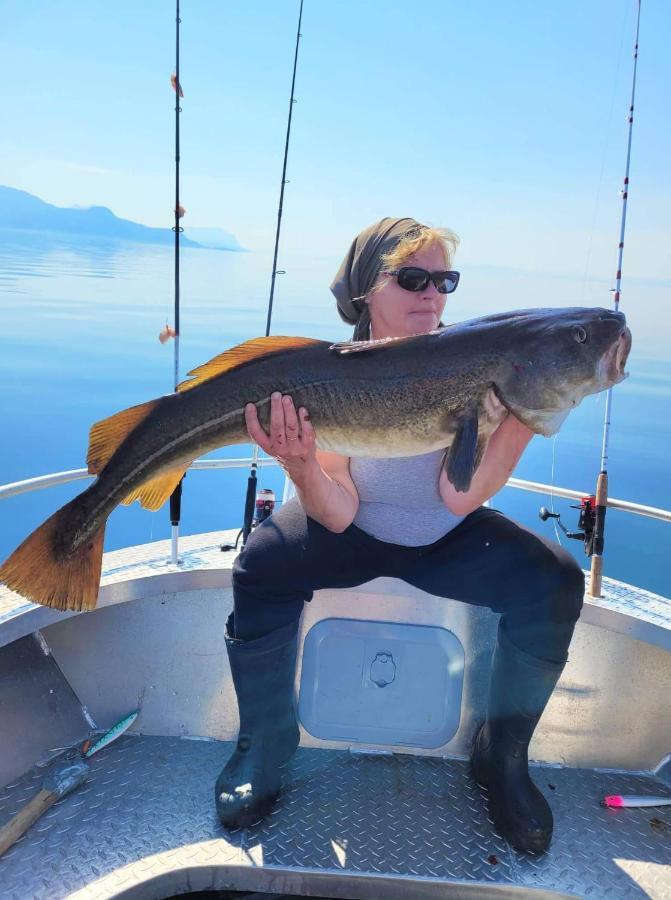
{"points": [[616, 358]]}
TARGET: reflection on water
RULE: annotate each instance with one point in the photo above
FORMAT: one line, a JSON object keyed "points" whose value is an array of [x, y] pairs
{"points": [[80, 322], [45, 254]]}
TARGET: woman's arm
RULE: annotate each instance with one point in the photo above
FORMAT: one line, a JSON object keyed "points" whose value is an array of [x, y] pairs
{"points": [[501, 456], [329, 495], [323, 482]]}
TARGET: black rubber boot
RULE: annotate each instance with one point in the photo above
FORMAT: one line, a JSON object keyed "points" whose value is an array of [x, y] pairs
{"points": [[263, 676], [520, 688]]}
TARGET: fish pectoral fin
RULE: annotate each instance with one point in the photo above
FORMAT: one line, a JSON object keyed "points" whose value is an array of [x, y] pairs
{"points": [[107, 435], [345, 347], [153, 494], [480, 447], [243, 353], [494, 410], [465, 451]]}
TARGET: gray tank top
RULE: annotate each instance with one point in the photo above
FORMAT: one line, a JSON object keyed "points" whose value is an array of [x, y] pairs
{"points": [[399, 499]]}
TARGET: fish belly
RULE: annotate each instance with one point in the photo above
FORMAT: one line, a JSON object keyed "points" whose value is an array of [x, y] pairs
{"points": [[383, 442]]}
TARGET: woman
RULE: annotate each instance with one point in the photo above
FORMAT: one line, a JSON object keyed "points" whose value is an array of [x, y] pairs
{"points": [[346, 528]]}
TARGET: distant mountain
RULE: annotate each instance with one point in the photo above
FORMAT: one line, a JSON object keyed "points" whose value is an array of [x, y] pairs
{"points": [[18, 209], [213, 238]]}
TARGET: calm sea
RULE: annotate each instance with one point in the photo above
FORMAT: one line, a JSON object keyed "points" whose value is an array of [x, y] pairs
{"points": [[79, 341]]}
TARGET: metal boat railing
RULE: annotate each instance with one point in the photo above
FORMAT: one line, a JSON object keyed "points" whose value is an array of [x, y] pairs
{"points": [[44, 481]]}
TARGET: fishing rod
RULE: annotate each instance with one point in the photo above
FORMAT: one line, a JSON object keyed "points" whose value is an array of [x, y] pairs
{"points": [[592, 516], [265, 504], [601, 497], [176, 496]]}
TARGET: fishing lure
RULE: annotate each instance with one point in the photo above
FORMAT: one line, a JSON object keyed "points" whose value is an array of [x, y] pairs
{"points": [[111, 735], [619, 800]]}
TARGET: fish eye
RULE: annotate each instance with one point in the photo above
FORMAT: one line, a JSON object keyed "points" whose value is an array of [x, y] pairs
{"points": [[579, 334]]}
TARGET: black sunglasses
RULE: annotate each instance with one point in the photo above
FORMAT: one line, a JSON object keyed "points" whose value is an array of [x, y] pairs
{"points": [[412, 278]]}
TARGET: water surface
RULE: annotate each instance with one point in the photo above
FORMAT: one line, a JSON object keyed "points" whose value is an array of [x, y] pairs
{"points": [[80, 320]]}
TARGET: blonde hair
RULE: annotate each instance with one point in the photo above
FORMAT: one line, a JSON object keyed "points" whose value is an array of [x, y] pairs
{"points": [[418, 240]]}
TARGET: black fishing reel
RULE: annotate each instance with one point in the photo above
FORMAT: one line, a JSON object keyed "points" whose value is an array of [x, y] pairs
{"points": [[259, 505], [586, 522]]}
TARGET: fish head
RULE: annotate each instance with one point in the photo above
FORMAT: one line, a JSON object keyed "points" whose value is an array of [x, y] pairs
{"points": [[548, 360]]}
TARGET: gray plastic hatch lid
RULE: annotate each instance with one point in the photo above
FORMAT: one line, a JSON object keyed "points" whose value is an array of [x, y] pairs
{"points": [[382, 683]]}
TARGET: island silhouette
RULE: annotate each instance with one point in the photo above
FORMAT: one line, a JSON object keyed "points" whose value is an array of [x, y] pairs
{"points": [[21, 210]]}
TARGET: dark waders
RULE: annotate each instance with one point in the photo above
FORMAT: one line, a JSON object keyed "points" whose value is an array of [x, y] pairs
{"points": [[488, 560]]}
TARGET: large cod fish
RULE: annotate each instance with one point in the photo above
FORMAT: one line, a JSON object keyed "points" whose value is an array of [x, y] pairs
{"points": [[393, 397]]}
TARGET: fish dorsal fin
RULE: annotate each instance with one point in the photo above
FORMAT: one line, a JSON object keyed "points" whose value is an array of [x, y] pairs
{"points": [[153, 494], [343, 347], [105, 436], [243, 353]]}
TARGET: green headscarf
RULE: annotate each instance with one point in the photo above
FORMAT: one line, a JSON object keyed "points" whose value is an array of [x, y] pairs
{"points": [[361, 266]]}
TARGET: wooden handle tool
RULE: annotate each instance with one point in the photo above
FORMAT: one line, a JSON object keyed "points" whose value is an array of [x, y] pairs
{"points": [[53, 788]]}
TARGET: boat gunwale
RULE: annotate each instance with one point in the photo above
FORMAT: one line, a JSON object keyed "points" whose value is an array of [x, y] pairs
{"points": [[146, 570], [40, 482]]}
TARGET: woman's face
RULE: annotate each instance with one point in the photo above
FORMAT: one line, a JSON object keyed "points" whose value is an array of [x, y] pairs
{"points": [[395, 312]]}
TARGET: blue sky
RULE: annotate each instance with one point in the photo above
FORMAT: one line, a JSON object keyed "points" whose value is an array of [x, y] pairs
{"points": [[505, 122]]}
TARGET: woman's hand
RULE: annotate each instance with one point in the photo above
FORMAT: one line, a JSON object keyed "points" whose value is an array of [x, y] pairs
{"points": [[331, 500], [292, 438]]}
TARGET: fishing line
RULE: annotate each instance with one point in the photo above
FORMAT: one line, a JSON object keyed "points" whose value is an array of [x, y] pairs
{"points": [[552, 487], [604, 149]]}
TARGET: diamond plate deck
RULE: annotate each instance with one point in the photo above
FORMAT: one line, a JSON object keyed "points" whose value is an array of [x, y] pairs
{"points": [[375, 826]]}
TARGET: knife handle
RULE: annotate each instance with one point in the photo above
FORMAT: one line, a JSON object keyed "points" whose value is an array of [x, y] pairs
{"points": [[25, 817], [55, 786]]}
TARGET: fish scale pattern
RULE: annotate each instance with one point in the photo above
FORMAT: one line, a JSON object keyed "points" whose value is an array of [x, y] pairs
{"points": [[147, 812]]}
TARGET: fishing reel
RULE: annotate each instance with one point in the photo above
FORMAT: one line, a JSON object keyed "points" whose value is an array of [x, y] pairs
{"points": [[259, 506], [586, 522]]}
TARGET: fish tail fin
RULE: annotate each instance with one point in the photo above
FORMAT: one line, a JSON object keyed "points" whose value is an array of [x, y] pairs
{"points": [[41, 572]]}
